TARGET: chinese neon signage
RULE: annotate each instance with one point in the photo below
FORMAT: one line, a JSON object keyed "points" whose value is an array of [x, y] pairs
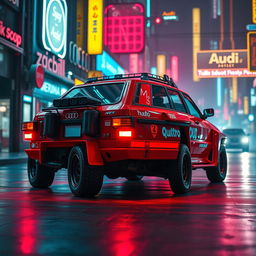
{"points": [[124, 28], [54, 26], [95, 20]]}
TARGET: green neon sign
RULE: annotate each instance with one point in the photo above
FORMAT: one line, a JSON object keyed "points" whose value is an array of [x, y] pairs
{"points": [[54, 34]]}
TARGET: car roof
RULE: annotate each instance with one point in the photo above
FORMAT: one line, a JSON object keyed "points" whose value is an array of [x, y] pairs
{"points": [[145, 77]]}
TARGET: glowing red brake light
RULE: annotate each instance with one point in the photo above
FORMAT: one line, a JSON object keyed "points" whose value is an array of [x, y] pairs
{"points": [[28, 135], [125, 134]]}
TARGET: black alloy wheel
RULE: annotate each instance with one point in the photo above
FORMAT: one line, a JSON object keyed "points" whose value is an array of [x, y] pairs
{"points": [[84, 179], [218, 173], [39, 176], [181, 171]]}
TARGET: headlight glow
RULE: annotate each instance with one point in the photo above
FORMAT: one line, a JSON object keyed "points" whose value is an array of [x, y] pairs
{"points": [[245, 140]]}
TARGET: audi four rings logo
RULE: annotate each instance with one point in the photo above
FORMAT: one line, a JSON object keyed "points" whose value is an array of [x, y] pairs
{"points": [[73, 115]]}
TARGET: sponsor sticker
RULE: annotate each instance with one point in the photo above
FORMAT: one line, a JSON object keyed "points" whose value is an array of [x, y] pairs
{"points": [[170, 133], [153, 129]]}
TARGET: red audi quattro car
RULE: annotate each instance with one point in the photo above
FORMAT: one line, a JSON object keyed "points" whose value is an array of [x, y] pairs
{"points": [[130, 126]]}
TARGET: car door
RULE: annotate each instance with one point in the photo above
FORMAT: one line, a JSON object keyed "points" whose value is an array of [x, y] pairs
{"points": [[199, 132]]}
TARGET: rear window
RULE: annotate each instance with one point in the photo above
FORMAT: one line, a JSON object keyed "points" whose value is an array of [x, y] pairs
{"points": [[233, 132], [107, 93]]}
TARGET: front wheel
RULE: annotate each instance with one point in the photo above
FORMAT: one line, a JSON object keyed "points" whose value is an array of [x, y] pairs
{"points": [[39, 176], [218, 173], [181, 172], [83, 179]]}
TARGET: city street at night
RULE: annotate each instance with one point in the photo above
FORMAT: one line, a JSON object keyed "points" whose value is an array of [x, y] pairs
{"points": [[131, 218], [128, 127]]}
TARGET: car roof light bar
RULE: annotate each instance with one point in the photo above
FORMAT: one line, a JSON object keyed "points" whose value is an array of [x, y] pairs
{"points": [[144, 76]]}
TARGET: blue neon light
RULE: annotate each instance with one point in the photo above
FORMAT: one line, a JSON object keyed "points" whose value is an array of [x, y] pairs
{"points": [[27, 98], [219, 89], [153, 70], [106, 64], [251, 27], [148, 8]]}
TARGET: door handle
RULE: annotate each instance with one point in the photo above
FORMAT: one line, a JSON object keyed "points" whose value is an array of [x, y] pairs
{"points": [[197, 122]]}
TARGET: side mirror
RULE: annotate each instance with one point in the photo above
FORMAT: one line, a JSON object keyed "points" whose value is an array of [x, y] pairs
{"points": [[208, 112]]}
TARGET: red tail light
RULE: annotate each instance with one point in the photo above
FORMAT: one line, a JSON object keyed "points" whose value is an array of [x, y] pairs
{"points": [[28, 126], [125, 134], [117, 122], [28, 135]]}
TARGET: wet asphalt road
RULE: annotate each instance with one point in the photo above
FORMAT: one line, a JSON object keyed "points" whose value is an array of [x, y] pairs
{"points": [[131, 218]]}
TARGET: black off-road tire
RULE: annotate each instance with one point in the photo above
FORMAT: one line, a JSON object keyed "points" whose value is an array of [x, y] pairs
{"points": [[219, 172], [134, 177], [181, 171], [84, 179], [39, 176]]}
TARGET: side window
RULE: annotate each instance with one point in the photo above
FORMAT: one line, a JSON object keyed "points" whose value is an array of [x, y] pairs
{"points": [[160, 97], [176, 100], [143, 94], [191, 106]]}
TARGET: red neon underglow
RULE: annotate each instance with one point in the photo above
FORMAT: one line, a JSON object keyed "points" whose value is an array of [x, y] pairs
{"points": [[175, 68], [124, 28]]}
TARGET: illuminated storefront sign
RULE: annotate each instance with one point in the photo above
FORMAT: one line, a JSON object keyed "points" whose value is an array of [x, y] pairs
{"points": [[108, 65], [170, 15], [10, 37], [124, 28], [251, 50], [161, 64], [52, 64], [223, 63], [53, 89], [253, 11], [196, 39], [95, 20], [78, 56], [54, 26]]}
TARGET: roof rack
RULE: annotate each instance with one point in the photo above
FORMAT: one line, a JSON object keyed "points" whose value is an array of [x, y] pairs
{"points": [[145, 76]]}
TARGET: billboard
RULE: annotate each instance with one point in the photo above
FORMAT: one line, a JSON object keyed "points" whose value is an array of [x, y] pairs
{"points": [[251, 47], [124, 28], [223, 63]]}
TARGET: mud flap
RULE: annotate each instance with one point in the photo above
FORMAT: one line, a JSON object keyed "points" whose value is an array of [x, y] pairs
{"points": [[93, 153]]}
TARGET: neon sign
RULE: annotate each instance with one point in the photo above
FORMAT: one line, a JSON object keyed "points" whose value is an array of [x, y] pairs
{"points": [[95, 19], [124, 28], [10, 35], [54, 34], [78, 56], [51, 64]]}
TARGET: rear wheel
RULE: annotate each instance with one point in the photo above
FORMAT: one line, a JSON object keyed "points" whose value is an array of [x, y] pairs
{"points": [[181, 172], [218, 173], [39, 176], [84, 179]]}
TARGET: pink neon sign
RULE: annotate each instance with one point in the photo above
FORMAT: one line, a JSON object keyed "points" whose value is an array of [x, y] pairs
{"points": [[10, 35], [124, 28], [175, 68]]}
